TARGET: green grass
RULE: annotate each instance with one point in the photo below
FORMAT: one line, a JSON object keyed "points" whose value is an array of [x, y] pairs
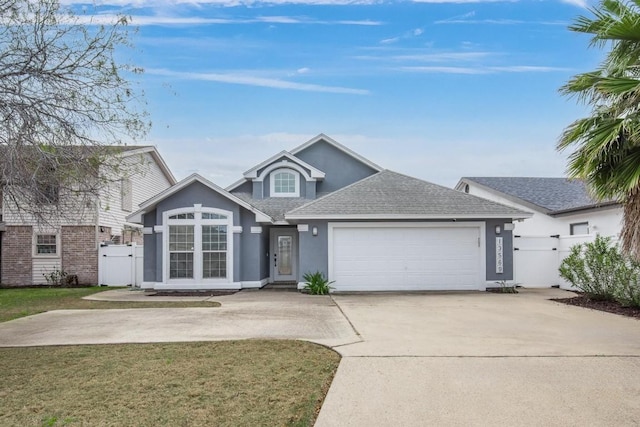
{"points": [[232, 383], [15, 303]]}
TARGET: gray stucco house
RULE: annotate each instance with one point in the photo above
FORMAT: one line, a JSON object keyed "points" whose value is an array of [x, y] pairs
{"points": [[322, 207]]}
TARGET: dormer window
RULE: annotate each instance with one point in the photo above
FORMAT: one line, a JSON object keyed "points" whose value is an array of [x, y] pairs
{"points": [[285, 183]]}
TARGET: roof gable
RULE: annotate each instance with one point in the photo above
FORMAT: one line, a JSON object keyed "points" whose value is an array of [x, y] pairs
{"points": [[390, 195], [336, 144], [282, 159], [150, 204], [549, 195]]}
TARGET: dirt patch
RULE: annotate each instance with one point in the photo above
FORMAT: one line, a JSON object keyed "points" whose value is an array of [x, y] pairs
{"points": [[608, 306], [190, 293]]}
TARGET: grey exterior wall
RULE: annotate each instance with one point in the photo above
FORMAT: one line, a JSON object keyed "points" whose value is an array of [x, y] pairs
{"points": [[246, 260], [507, 249], [314, 251], [152, 249], [252, 259], [340, 168], [246, 187]]}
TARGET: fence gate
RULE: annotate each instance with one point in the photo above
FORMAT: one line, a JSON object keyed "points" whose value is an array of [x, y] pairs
{"points": [[120, 265], [536, 259]]}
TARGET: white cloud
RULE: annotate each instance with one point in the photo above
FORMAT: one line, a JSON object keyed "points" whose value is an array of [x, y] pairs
{"points": [[232, 3], [303, 70], [248, 80], [444, 56], [390, 41], [482, 69], [146, 20], [444, 70], [407, 35]]}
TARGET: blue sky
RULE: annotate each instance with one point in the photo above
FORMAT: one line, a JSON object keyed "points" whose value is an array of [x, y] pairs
{"points": [[437, 90]]}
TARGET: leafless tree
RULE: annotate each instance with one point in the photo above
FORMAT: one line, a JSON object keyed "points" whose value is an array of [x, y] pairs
{"points": [[66, 105]]}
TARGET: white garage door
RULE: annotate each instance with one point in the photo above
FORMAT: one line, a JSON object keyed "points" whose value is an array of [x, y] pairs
{"points": [[379, 258]]}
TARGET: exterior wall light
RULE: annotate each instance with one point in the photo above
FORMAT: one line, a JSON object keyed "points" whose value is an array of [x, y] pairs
{"points": [[314, 231], [497, 229]]}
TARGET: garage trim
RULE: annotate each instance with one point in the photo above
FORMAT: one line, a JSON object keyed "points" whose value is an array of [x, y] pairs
{"points": [[480, 225]]}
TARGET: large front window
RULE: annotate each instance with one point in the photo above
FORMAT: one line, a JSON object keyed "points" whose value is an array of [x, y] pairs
{"points": [[285, 183], [214, 251], [181, 241], [199, 244]]}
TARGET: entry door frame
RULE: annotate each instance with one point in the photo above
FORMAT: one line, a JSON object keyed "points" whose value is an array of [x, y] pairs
{"points": [[276, 232]]}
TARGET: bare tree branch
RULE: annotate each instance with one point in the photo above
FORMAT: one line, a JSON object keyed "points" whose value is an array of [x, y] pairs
{"points": [[65, 104]]}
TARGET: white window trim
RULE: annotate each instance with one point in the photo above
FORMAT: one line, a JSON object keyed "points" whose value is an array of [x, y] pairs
{"points": [[197, 222], [35, 245], [572, 225], [272, 183]]}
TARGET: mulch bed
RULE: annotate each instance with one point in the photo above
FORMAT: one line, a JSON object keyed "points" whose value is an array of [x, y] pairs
{"points": [[608, 306], [191, 293]]}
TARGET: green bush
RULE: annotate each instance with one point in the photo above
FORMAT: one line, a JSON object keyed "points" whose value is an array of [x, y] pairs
{"points": [[602, 272], [316, 283]]}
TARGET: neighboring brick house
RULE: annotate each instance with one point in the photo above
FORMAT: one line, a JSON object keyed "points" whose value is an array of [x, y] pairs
{"points": [[29, 251]]}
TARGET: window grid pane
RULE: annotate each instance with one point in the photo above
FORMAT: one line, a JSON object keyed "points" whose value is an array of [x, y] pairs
{"points": [[214, 265], [182, 216], [284, 182], [181, 238], [206, 215], [181, 265], [214, 237], [46, 244]]}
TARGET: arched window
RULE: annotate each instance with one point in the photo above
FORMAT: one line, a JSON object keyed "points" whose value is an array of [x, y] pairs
{"points": [[198, 245], [285, 183]]}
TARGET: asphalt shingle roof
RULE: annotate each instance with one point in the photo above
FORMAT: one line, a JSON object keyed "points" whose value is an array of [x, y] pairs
{"points": [[394, 194], [275, 207], [552, 194]]}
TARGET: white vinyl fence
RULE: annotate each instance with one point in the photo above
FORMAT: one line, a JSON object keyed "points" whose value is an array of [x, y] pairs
{"points": [[536, 259], [120, 265]]}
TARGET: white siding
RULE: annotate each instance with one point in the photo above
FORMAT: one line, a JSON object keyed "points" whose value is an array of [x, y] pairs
{"points": [[147, 181], [74, 213], [42, 266], [605, 221]]}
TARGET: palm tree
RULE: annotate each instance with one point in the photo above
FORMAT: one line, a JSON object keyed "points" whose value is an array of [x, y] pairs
{"points": [[607, 144]]}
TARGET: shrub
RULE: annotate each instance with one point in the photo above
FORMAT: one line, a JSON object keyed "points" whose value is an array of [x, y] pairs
{"points": [[602, 272], [316, 283]]}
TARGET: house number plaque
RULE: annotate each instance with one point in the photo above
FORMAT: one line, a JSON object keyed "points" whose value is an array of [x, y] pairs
{"points": [[499, 256]]}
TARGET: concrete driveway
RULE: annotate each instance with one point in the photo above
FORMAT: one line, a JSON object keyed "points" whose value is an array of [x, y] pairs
{"points": [[247, 314], [484, 359]]}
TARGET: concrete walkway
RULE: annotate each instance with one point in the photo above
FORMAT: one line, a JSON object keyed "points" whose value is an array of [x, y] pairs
{"points": [[478, 359], [460, 359], [246, 314]]}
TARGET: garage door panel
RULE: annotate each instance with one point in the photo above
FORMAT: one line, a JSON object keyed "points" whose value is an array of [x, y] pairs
{"points": [[405, 258]]}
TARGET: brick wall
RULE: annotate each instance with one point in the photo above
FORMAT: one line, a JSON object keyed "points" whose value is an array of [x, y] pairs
{"points": [[132, 236], [80, 253], [16, 256], [104, 235]]}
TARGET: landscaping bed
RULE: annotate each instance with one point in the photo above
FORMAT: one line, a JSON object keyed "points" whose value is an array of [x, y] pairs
{"points": [[608, 306]]}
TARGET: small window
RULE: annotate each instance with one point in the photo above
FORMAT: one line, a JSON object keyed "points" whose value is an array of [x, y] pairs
{"points": [[182, 216], [46, 244], [285, 183], [466, 188], [207, 215], [579, 228]]}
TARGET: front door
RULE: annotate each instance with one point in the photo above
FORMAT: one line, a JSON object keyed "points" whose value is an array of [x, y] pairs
{"points": [[284, 252]]}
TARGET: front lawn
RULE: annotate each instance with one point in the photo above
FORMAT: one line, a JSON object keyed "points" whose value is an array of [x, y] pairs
{"points": [[228, 383], [22, 302]]}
